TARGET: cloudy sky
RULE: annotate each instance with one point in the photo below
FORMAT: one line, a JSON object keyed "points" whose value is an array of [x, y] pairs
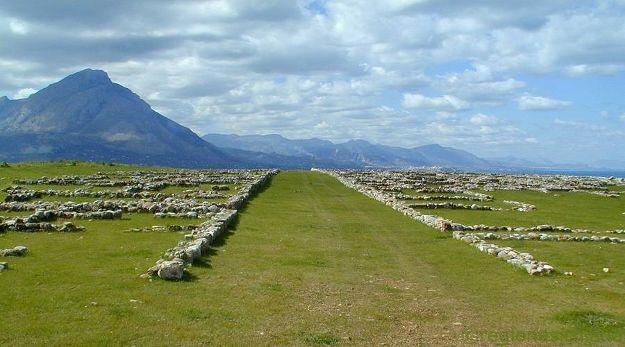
{"points": [[543, 80]]}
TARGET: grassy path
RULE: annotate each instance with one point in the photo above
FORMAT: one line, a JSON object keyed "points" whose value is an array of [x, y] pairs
{"points": [[311, 262]]}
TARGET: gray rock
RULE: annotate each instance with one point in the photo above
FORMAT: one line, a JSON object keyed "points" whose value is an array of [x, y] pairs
{"points": [[171, 270], [16, 251]]}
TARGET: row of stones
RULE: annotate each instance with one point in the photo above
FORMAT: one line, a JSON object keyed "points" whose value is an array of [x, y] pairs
{"points": [[454, 206], [393, 181], [449, 225], [148, 180], [172, 265], [38, 221], [510, 255], [402, 196], [456, 182], [18, 224], [113, 209], [17, 193], [469, 196], [519, 259], [160, 228], [548, 237], [520, 206], [182, 204], [151, 202]]}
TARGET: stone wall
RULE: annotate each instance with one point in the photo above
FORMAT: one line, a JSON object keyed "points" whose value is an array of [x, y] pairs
{"points": [[523, 260], [172, 265]]}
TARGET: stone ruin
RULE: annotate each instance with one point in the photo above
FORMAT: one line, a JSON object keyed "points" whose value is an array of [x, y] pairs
{"points": [[128, 192], [198, 241], [386, 186]]}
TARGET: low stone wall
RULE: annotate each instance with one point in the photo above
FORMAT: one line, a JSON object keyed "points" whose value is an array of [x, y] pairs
{"points": [[16, 225], [19, 194], [402, 196], [548, 237], [511, 256], [520, 206], [453, 206], [245, 192], [172, 265], [519, 259]]}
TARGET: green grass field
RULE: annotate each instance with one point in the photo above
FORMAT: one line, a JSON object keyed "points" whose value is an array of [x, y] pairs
{"points": [[571, 209], [310, 262]]}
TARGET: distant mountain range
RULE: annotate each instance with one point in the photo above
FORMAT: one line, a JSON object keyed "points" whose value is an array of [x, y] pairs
{"points": [[86, 116], [353, 153]]}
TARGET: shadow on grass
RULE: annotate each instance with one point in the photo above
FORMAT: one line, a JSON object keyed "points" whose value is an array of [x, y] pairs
{"points": [[222, 240], [204, 261], [189, 277]]}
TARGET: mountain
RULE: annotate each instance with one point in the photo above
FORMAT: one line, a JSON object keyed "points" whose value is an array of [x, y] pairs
{"points": [[270, 144], [86, 116], [353, 153], [451, 157]]}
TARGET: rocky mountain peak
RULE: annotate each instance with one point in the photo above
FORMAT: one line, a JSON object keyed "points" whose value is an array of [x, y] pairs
{"points": [[88, 77], [79, 81]]}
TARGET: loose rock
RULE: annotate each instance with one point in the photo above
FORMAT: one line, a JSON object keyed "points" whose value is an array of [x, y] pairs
{"points": [[16, 251]]}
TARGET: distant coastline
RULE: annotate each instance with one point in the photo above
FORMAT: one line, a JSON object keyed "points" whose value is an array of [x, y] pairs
{"points": [[592, 173]]}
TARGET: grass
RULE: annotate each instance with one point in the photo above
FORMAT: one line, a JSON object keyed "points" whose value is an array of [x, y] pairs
{"points": [[589, 319], [323, 339], [571, 209], [309, 262]]}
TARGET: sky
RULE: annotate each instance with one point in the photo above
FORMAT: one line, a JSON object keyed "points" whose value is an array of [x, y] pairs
{"points": [[539, 80]]}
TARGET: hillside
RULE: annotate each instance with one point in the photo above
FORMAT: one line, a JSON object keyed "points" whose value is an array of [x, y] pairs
{"points": [[87, 116]]}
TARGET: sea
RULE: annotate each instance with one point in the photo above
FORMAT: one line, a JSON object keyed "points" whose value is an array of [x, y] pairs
{"points": [[592, 173]]}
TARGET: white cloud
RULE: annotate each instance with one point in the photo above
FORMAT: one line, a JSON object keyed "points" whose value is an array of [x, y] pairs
{"points": [[479, 85], [588, 129], [23, 93], [538, 103], [483, 119], [234, 66], [597, 69], [17, 26], [531, 140], [441, 103]]}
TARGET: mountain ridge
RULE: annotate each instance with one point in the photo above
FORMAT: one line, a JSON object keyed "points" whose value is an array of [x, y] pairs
{"points": [[355, 153]]}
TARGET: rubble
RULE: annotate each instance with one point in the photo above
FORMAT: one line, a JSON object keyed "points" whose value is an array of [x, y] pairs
{"points": [[129, 192], [520, 206]]}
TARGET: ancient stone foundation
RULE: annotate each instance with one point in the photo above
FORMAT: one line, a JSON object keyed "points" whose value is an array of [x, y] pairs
{"points": [[196, 243]]}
